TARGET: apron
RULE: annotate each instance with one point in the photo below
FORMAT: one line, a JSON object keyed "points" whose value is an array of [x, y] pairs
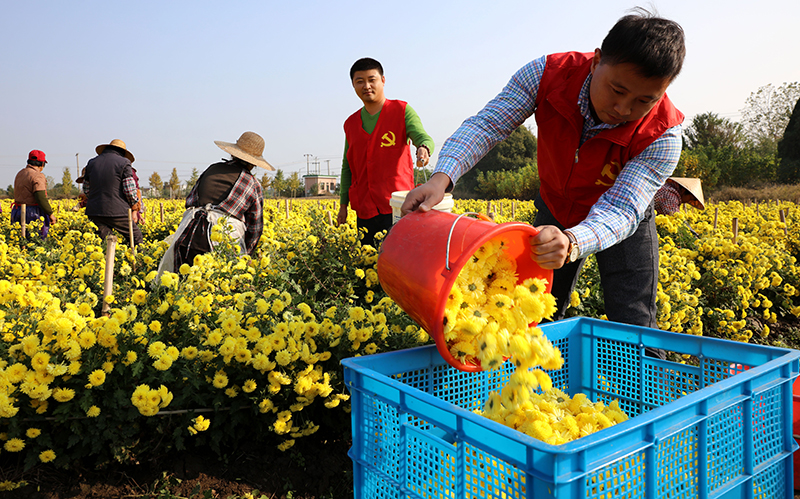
{"points": [[213, 215]]}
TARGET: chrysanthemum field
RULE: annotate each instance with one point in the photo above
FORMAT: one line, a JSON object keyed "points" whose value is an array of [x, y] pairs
{"points": [[247, 349]]}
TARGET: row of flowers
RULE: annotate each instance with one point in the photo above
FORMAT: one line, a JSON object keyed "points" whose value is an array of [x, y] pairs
{"points": [[237, 347], [225, 350]]}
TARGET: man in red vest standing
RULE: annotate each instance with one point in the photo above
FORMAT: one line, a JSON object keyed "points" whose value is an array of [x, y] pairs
{"points": [[377, 157], [609, 137]]}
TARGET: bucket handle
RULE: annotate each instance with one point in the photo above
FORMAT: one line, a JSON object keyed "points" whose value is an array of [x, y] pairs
{"points": [[480, 216]]}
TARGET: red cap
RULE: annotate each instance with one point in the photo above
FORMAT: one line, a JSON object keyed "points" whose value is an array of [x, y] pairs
{"points": [[36, 155]]}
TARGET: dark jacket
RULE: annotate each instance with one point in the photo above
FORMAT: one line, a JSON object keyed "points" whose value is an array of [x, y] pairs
{"points": [[105, 174]]}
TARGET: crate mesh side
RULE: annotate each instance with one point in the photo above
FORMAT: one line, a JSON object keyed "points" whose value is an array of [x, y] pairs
{"points": [[716, 370], [374, 487], [560, 377], [666, 384], [676, 456], [432, 469], [617, 371], [771, 482], [418, 379], [724, 447], [767, 425], [381, 437], [486, 477], [623, 479]]}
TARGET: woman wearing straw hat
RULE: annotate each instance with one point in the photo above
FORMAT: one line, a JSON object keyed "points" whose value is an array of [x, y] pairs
{"points": [[675, 192], [111, 190], [229, 192]]}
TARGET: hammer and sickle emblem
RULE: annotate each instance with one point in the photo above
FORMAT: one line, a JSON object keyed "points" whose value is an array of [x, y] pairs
{"points": [[610, 170], [388, 139]]}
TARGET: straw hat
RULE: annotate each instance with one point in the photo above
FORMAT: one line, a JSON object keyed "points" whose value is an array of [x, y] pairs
{"points": [[248, 148], [694, 187], [116, 143]]}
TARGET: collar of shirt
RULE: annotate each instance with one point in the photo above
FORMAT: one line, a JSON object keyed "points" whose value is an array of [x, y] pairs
{"points": [[590, 128]]}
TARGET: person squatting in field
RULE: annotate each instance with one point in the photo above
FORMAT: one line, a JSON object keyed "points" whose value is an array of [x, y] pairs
{"points": [[227, 192], [608, 139], [30, 189]]}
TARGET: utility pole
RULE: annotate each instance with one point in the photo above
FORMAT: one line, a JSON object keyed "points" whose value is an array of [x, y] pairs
{"points": [[316, 165], [329, 166], [77, 165], [308, 158]]}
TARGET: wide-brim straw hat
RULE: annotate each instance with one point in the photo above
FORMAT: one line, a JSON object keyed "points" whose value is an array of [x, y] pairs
{"points": [[116, 143], [694, 186], [249, 148]]}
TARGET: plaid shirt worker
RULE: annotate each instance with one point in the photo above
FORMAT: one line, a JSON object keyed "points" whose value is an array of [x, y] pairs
{"points": [[245, 202], [617, 213]]}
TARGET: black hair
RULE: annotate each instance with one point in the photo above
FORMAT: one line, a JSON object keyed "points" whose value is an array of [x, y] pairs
{"points": [[365, 64], [655, 45], [33, 162]]}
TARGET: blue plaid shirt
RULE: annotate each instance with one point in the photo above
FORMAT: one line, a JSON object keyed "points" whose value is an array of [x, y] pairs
{"points": [[617, 213]]}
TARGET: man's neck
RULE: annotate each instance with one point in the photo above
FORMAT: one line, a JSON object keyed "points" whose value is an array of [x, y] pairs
{"points": [[374, 107]]}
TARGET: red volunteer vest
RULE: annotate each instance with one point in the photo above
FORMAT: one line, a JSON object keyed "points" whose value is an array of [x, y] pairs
{"points": [[380, 162], [573, 177]]}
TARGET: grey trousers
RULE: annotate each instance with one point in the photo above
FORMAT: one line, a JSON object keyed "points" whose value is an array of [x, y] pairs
{"points": [[628, 273]]}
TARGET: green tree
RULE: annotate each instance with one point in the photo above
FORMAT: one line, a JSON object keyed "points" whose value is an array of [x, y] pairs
{"points": [[174, 184], [294, 184], [265, 183], [10, 191], [193, 178], [767, 112], [67, 188], [516, 151], [521, 183], [156, 183], [789, 149], [708, 129], [279, 183]]}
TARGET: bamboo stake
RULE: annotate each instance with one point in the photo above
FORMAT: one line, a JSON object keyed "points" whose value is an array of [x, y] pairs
{"points": [[130, 230], [757, 213], [488, 208], [330, 218], [287, 207], [783, 221], [23, 220], [735, 227], [108, 282], [513, 210], [716, 214], [162, 212]]}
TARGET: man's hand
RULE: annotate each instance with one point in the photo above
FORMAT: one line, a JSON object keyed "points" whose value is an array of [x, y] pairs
{"points": [[52, 219], [549, 247], [423, 157], [341, 217], [426, 196]]}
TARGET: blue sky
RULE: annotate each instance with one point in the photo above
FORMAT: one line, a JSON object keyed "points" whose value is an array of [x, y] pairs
{"points": [[170, 77]]}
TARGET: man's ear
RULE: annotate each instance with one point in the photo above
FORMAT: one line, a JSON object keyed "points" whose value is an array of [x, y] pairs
{"points": [[596, 59]]}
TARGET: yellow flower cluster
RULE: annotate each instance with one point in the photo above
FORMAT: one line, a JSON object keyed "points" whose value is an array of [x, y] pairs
{"points": [[149, 400], [199, 424], [487, 317], [550, 416], [488, 314]]}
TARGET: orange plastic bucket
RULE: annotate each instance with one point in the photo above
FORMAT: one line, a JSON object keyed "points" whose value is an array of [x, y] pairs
{"points": [[423, 253]]}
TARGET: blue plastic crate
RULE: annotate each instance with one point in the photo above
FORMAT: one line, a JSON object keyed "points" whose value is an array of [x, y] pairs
{"points": [[718, 426]]}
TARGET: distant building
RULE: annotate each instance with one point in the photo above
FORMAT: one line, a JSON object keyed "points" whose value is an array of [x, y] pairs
{"points": [[326, 184]]}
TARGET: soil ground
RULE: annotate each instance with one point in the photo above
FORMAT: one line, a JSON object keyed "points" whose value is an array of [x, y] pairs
{"points": [[312, 469]]}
